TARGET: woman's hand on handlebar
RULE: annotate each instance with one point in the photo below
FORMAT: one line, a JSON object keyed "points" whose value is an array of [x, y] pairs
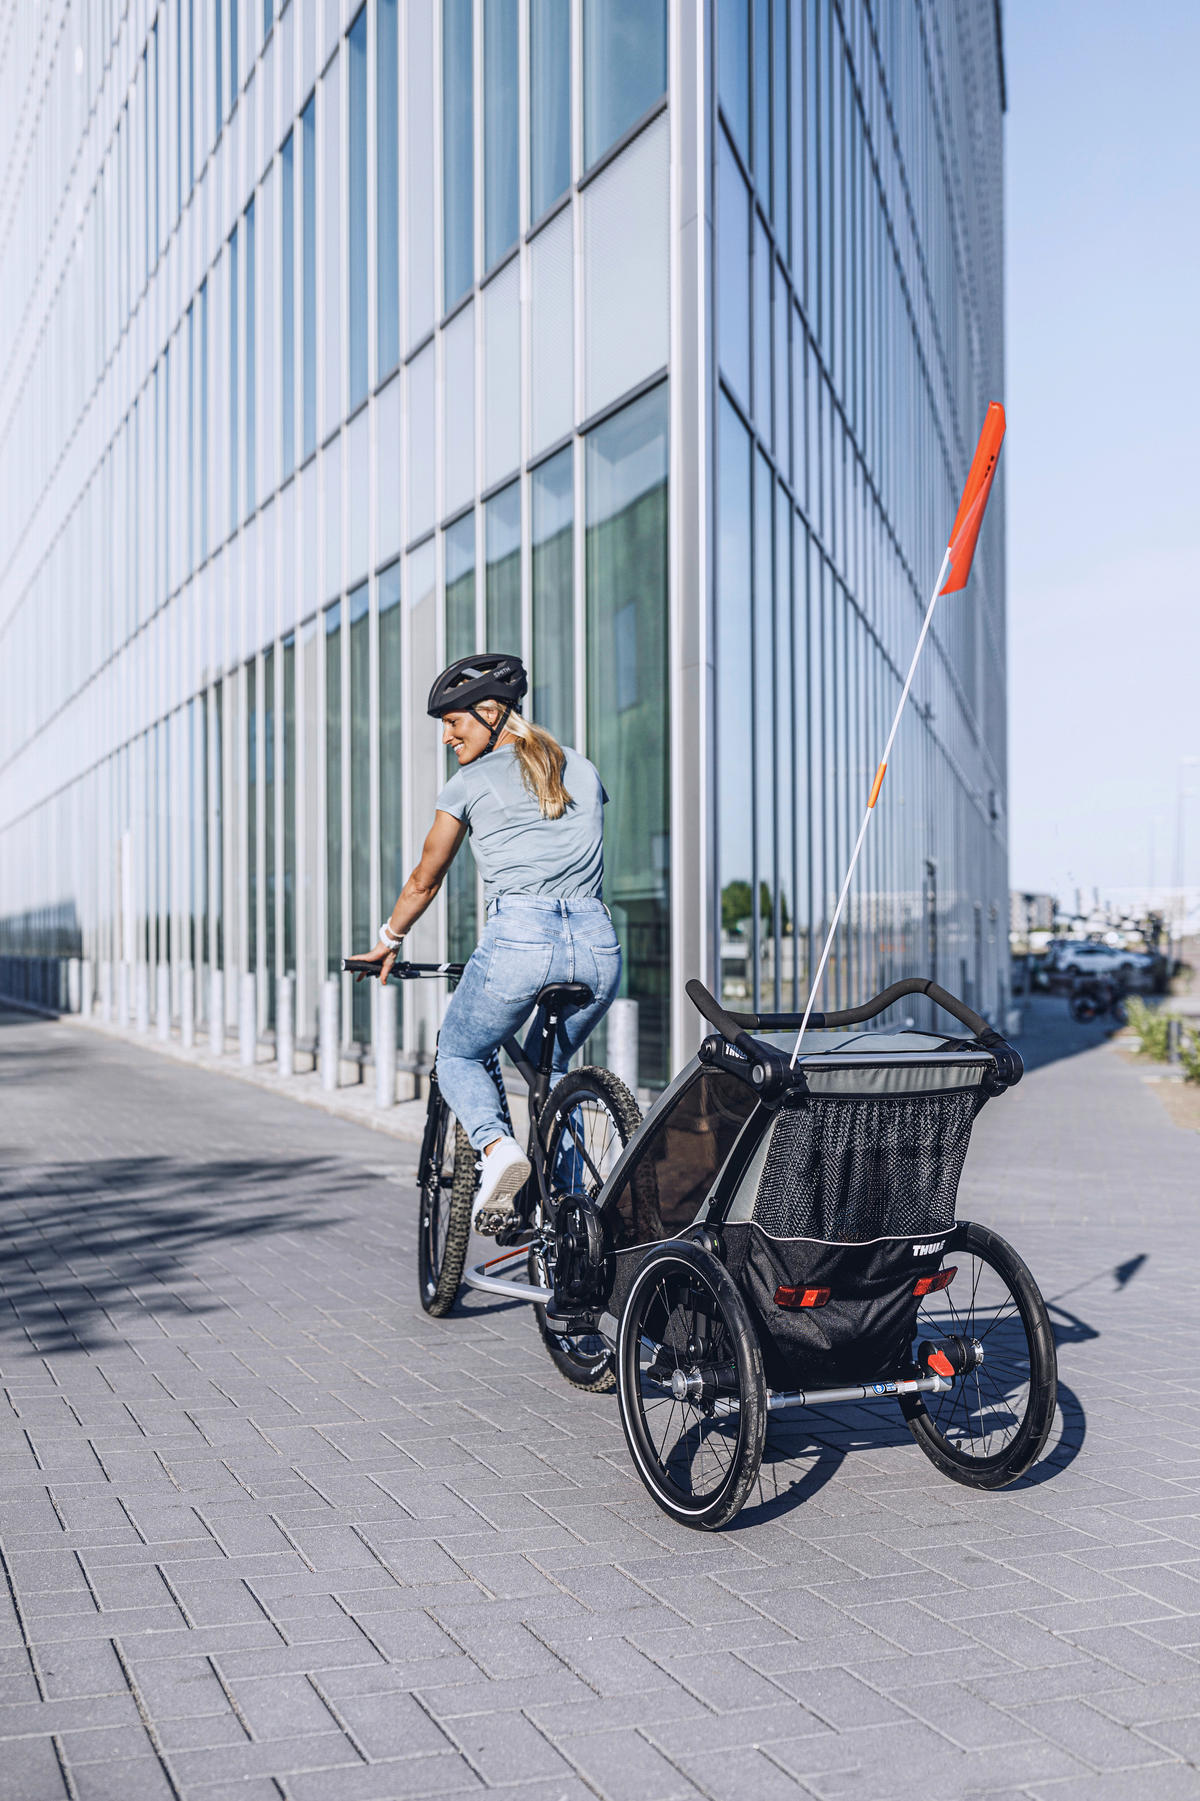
{"points": [[383, 954]]}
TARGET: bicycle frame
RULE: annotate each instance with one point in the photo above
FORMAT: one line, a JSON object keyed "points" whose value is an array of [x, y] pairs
{"points": [[536, 1076]]}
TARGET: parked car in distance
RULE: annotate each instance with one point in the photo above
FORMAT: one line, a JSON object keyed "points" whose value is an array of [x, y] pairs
{"points": [[1078, 958]]}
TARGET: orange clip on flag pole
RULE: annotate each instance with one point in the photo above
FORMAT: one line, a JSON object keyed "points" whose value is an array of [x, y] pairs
{"points": [[956, 567]]}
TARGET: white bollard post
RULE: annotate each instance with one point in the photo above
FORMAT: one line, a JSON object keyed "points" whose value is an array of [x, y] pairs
{"points": [[87, 986], [623, 1042], [74, 986], [385, 1046], [162, 1003], [285, 1025], [141, 995], [106, 991], [187, 1007], [124, 981], [216, 1012], [330, 1033], [248, 1021]]}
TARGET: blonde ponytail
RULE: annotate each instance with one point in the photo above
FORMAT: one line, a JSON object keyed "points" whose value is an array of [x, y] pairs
{"points": [[542, 761]]}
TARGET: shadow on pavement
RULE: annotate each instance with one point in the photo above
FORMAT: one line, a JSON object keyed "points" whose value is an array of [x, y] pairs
{"points": [[1048, 1032], [83, 1242]]}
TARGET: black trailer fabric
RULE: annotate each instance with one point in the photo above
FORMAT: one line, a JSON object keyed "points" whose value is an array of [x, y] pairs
{"points": [[855, 1192], [847, 1170]]}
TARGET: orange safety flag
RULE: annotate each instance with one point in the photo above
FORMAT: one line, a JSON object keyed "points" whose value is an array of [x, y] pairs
{"points": [[971, 508]]}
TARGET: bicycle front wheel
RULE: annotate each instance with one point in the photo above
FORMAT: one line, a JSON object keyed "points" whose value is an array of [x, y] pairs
{"points": [[589, 1119], [447, 1191]]}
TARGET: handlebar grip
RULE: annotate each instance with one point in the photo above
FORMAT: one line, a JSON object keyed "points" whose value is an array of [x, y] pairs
{"points": [[727, 1024]]}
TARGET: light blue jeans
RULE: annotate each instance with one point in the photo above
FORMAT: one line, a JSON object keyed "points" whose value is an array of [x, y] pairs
{"points": [[528, 941]]}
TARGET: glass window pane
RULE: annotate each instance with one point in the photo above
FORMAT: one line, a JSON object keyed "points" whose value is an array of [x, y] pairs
{"points": [[458, 435], [289, 803], [779, 320], [358, 208], [420, 444], [460, 589], [733, 68], [387, 189], [234, 440], [762, 100], [762, 330], [779, 188], [502, 375], [458, 151], [626, 575], [308, 137], [391, 750], [251, 408], [501, 185], [427, 769], [735, 713], [462, 912], [268, 704], [333, 789], [502, 525], [252, 815], [764, 731], [549, 102], [551, 337], [625, 235], [554, 596], [362, 921], [332, 202], [733, 274], [624, 67], [287, 333], [419, 251]]}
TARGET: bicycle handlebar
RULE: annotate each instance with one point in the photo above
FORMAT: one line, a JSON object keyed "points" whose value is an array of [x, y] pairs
{"points": [[401, 972]]}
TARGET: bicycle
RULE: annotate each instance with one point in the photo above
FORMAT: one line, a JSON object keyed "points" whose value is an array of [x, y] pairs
{"points": [[577, 1131], [1093, 995]]}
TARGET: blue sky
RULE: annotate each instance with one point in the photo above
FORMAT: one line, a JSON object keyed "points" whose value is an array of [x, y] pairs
{"points": [[1103, 447]]}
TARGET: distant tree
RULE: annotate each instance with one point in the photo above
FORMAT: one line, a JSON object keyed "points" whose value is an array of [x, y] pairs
{"points": [[736, 906]]}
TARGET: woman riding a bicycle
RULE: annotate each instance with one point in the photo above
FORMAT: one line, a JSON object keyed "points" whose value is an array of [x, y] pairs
{"points": [[534, 813]]}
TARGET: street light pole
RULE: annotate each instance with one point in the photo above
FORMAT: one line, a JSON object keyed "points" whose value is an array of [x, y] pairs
{"points": [[1182, 794]]}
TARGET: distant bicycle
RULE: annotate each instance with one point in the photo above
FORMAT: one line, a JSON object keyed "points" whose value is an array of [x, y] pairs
{"points": [[1091, 997]]}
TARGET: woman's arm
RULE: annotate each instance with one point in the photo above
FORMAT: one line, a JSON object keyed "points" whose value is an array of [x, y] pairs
{"points": [[445, 835]]}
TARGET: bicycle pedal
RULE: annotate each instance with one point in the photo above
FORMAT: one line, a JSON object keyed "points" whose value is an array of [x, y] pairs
{"points": [[515, 1233], [487, 1223]]}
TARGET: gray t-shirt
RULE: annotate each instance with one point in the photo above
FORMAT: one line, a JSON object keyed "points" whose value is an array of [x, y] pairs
{"points": [[515, 849]]}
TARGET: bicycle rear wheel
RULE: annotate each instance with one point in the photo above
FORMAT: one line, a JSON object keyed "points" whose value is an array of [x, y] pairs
{"points": [[994, 1420], [589, 1119], [444, 1221]]}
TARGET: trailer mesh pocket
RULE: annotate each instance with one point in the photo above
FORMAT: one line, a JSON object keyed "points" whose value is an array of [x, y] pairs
{"points": [[846, 1170]]}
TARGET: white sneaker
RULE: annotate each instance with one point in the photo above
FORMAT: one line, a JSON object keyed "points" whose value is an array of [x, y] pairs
{"points": [[506, 1169]]}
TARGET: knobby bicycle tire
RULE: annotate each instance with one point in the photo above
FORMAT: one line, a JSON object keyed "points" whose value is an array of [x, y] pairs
{"points": [[438, 1278]]}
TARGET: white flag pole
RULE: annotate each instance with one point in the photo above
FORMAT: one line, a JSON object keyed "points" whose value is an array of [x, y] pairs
{"points": [[815, 984]]}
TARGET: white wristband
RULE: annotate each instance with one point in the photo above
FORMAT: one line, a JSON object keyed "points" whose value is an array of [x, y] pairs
{"points": [[393, 939]]}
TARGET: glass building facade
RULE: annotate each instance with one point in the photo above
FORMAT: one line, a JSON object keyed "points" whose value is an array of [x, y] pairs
{"points": [[339, 340]]}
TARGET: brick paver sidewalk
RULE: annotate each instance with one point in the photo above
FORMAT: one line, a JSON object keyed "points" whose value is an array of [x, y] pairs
{"points": [[268, 1531]]}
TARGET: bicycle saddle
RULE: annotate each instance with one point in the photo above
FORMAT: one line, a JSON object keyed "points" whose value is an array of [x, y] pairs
{"points": [[565, 994]]}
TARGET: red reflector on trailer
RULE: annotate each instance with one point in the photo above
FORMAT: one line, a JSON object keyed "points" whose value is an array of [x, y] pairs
{"points": [[801, 1297], [932, 1284]]}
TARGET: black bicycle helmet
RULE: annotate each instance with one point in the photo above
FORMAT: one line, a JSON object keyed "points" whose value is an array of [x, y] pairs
{"points": [[488, 676]]}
